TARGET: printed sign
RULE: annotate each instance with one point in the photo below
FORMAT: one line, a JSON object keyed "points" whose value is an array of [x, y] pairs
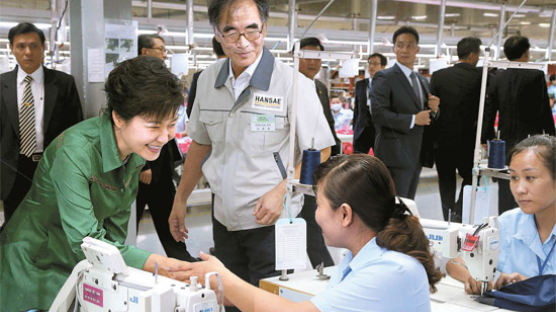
{"points": [[93, 295], [268, 102]]}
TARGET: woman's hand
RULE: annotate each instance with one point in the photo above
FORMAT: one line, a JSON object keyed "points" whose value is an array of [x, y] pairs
{"points": [[506, 279]]}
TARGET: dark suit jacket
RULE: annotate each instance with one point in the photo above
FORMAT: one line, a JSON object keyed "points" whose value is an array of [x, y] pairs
{"points": [[361, 114], [62, 109], [521, 98], [393, 103], [322, 92], [192, 92], [459, 90]]}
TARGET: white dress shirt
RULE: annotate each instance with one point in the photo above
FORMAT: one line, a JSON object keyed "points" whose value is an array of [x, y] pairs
{"points": [[407, 71], [37, 88], [242, 81]]}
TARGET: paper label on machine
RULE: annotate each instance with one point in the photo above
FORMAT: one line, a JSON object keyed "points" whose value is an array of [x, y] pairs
{"points": [[268, 102], [93, 295], [291, 244]]}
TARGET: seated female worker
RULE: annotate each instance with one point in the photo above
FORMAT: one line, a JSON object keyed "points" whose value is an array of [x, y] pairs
{"points": [[527, 233], [389, 266], [85, 184]]}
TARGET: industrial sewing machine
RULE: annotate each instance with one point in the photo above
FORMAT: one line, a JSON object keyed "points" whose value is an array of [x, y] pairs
{"points": [[103, 282], [478, 245]]}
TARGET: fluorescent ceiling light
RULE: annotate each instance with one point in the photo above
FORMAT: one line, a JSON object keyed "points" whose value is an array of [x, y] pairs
{"points": [[519, 15], [544, 25], [12, 24], [419, 17], [490, 14], [385, 17], [525, 23], [452, 14]]}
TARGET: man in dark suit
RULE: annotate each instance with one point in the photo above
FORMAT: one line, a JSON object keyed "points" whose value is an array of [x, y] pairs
{"points": [[316, 248], [401, 106], [520, 97], [363, 127], [458, 88], [36, 105], [156, 188]]}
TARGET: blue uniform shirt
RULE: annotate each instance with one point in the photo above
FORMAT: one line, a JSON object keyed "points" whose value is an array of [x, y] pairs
{"points": [[377, 279], [520, 245]]}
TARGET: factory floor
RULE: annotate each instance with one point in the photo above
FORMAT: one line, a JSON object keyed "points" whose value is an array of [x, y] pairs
{"points": [[198, 220]]}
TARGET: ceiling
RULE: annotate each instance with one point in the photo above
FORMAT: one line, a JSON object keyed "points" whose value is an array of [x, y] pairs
{"points": [[344, 25]]}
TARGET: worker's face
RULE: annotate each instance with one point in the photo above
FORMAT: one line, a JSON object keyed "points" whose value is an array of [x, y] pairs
{"points": [[28, 51], [406, 49], [241, 18], [328, 219], [143, 135], [375, 66], [531, 183], [310, 67], [158, 49]]}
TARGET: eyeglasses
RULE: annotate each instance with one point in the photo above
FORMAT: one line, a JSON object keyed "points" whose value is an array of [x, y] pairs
{"points": [[250, 35], [401, 45], [32, 46], [162, 49]]}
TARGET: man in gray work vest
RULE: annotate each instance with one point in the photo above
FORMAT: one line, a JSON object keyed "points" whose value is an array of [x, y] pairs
{"points": [[241, 116]]}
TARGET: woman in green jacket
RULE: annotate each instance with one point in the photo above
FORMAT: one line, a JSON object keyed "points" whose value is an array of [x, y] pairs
{"points": [[85, 184]]}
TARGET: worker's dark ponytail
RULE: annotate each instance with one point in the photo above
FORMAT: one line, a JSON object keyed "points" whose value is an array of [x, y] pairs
{"points": [[364, 183]]}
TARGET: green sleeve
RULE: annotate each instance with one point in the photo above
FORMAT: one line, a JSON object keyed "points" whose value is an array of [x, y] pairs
{"points": [[69, 174]]}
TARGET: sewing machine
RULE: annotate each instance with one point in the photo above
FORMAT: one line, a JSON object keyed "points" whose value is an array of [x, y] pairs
{"points": [[103, 282]]}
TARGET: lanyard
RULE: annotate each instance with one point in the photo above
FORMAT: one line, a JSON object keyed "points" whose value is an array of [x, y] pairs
{"points": [[541, 267]]}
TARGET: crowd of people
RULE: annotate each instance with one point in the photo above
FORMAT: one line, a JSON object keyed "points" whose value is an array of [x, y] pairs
{"points": [[70, 178]]}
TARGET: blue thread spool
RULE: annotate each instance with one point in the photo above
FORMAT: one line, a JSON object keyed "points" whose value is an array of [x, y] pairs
{"points": [[497, 154], [310, 162]]}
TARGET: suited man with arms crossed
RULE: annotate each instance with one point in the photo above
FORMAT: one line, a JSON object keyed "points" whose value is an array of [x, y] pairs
{"points": [[520, 97], [36, 105], [458, 87], [401, 106], [363, 127]]}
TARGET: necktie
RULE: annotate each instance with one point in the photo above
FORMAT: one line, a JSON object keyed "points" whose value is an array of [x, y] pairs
{"points": [[27, 121], [416, 89]]}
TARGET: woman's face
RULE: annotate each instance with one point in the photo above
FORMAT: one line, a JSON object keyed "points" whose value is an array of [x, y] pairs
{"points": [[531, 183], [328, 219], [143, 135]]}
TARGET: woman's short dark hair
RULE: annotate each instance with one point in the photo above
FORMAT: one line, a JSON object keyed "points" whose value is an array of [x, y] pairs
{"points": [[543, 146], [216, 7], [24, 28], [515, 46], [371, 197], [143, 86], [405, 30]]}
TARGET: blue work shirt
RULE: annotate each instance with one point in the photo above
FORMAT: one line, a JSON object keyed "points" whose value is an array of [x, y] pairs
{"points": [[520, 244], [376, 279]]}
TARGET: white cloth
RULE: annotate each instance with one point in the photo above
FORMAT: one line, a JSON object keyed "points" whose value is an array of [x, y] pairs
{"points": [[243, 79], [37, 88]]}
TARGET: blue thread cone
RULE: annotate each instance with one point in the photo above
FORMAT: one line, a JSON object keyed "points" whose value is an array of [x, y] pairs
{"points": [[310, 162]]}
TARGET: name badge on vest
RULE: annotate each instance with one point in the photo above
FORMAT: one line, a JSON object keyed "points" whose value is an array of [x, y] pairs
{"points": [[263, 123], [268, 102]]}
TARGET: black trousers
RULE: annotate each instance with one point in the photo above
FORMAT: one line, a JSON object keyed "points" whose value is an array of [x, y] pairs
{"points": [[23, 180], [160, 198], [365, 141], [449, 158], [316, 248], [406, 180]]}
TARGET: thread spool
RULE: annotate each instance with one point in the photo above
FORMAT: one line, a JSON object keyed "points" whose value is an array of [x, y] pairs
{"points": [[497, 154], [310, 162]]}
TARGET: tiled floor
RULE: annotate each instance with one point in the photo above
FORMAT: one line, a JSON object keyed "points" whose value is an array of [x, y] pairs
{"points": [[199, 223]]}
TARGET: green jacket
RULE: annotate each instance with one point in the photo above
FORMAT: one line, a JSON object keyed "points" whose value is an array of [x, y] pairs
{"points": [[81, 188]]}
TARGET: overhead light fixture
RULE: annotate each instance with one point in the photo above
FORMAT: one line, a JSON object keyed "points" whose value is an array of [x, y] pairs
{"points": [[452, 14], [490, 14], [544, 25], [525, 23], [385, 17], [519, 15], [12, 24], [419, 17]]}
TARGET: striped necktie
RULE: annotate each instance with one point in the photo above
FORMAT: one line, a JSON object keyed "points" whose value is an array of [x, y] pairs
{"points": [[27, 141]]}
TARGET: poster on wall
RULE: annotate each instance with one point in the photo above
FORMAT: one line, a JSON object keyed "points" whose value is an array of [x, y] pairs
{"points": [[120, 43]]}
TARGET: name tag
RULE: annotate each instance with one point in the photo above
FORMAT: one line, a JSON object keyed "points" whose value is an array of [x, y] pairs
{"points": [[268, 102], [291, 243], [263, 123]]}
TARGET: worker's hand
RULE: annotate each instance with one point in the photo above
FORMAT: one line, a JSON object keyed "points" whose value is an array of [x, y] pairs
{"points": [[474, 287], [166, 266], [434, 102], [506, 279], [146, 176], [423, 118], [176, 220], [269, 207]]}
